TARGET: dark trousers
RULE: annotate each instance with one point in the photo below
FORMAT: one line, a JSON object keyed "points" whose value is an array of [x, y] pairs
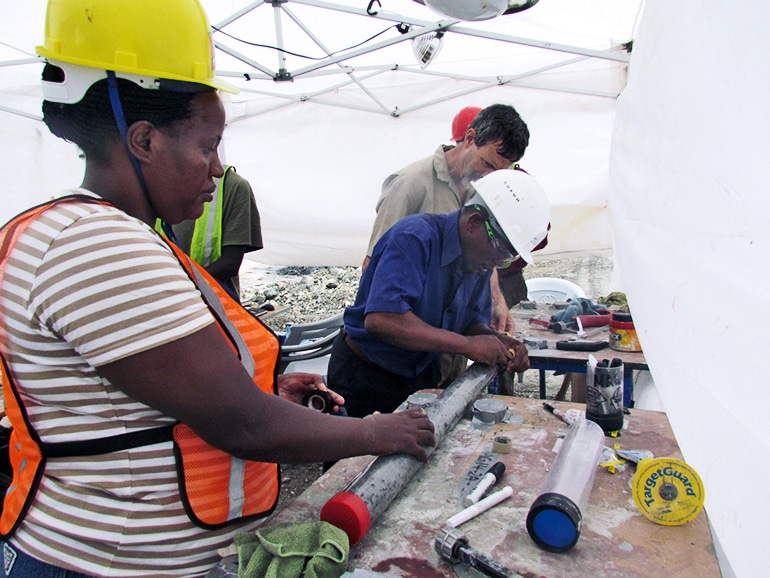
{"points": [[17, 564], [512, 285], [368, 387]]}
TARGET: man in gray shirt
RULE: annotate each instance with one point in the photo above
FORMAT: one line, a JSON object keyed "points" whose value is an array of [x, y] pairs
{"points": [[496, 139]]}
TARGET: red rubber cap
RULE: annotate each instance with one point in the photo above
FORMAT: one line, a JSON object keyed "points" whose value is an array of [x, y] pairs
{"points": [[349, 513]]}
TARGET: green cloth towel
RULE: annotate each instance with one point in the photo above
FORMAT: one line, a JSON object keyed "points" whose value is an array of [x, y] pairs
{"points": [[614, 298], [311, 550]]}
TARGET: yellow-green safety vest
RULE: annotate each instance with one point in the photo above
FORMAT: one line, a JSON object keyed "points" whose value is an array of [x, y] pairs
{"points": [[206, 244]]}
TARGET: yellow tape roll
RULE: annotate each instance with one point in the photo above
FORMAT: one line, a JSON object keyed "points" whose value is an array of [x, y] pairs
{"points": [[501, 445], [667, 491]]}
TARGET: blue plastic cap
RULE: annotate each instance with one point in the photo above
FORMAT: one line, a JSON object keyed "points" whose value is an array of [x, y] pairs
{"points": [[554, 522]]}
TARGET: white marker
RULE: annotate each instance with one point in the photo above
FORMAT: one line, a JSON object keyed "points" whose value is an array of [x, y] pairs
{"points": [[489, 479], [479, 507]]}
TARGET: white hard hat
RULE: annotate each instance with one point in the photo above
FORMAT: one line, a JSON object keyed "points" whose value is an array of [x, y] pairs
{"points": [[518, 207]]}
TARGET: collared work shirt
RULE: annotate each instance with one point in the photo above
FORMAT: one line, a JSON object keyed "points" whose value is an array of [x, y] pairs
{"points": [[424, 186], [417, 266]]}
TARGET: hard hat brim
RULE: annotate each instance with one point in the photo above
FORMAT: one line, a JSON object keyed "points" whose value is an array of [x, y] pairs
{"points": [[78, 79]]}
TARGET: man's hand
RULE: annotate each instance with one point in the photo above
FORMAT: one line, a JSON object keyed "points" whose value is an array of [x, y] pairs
{"points": [[501, 313], [518, 358], [486, 348], [501, 316], [498, 349]]}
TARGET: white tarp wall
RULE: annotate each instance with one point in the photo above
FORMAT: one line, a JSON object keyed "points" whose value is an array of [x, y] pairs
{"points": [[689, 206], [691, 213], [317, 166], [317, 171]]}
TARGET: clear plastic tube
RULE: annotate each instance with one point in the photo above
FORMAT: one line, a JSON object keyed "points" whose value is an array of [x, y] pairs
{"points": [[555, 517], [573, 471]]}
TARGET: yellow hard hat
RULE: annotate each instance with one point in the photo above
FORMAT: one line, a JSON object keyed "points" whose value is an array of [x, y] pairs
{"points": [[145, 41]]}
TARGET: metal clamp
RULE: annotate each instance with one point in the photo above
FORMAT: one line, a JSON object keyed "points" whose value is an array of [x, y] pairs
{"points": [[452, 545]]}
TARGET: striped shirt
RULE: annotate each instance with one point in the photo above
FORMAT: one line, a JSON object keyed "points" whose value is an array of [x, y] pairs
{"points": [[84, 286]]}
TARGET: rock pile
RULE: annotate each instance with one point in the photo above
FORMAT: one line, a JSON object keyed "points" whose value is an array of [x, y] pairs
{"points": [[313, 293]]}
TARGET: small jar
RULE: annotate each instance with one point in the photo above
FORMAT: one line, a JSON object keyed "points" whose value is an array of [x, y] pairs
{"points": [[622, 333]]}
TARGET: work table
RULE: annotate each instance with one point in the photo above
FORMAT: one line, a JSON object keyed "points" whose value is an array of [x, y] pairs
{"points": [[616, 539]]}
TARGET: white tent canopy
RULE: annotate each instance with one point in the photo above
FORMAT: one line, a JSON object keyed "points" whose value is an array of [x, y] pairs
{"points": [[685, 210], [317, 149]]}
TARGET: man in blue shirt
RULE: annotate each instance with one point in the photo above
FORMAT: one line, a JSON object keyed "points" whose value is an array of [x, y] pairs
{"points": [[426, 292]]}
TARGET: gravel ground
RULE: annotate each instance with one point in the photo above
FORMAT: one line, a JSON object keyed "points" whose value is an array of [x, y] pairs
{"points": [[315, 293]]}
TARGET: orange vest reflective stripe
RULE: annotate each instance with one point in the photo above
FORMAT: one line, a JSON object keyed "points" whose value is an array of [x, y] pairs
{"points": [[216, 487], [25, 457], [24, 445]]}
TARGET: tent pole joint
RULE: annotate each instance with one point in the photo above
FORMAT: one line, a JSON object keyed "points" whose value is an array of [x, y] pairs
{"points": [[283, 75]]}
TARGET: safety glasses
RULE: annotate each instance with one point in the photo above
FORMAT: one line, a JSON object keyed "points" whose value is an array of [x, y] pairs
{"points": [[505, 254]]}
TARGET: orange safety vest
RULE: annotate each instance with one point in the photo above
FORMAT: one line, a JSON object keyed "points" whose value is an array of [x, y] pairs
{"points": [[216, 487]]}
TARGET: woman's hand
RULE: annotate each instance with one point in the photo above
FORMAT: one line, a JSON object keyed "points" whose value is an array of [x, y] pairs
{"points": [[403, 432], [295, 386]]}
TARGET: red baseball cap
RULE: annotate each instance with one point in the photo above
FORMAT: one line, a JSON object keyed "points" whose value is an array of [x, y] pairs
{"points": [[462, 121]]}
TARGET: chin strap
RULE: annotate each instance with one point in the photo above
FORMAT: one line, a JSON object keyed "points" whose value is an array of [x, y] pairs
{"points": [[120, 119]]}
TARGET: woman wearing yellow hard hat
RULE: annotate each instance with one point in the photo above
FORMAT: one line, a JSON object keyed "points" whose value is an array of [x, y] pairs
{"points": [[146, 428]]}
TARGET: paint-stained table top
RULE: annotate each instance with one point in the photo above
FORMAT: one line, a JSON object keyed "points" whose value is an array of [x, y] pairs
{"points": [[616, 539]]}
